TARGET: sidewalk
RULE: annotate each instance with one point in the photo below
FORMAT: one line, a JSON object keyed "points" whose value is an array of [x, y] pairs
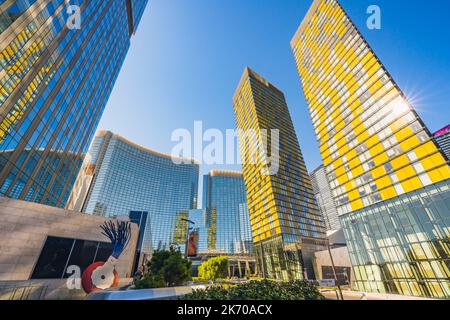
{"points": [[355, 295]]}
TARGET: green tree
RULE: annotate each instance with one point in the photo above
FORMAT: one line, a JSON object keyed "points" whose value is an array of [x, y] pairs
{"points": [[213, 269], [166, 269]]}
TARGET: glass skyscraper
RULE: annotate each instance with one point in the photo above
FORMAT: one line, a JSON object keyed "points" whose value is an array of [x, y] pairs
{"points": [[227, 217], [140, 259], [199, 217], [119, 176], [324, 197], [389, 180], [286, 223], [55, 80]]}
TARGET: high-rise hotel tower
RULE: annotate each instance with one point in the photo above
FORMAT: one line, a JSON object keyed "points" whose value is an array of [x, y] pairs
{"points": [[59, 60], [286, 224], [389, 180], [119, 177]]}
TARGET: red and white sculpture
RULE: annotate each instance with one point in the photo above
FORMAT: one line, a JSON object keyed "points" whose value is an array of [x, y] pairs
{"points": [[103, 275]]}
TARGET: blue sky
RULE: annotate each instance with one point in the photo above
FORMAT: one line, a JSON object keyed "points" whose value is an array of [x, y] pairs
{"points": [[188, 55]]}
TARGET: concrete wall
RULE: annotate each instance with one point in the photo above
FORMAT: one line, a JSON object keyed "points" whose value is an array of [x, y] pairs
{"points": [[24, 227], [340, 258], [45, 289]]}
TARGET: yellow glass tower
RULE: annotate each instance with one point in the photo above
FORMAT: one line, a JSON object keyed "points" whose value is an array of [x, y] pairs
{"points": [[286, 224], [389, 180]]}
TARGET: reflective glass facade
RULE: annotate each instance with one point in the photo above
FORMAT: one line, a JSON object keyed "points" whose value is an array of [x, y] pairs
{"points": [[325, 200], [286, 224], [54, 84], [119, 176], [378, 155], [227, 216], [139, 218], [442, 138], [199, 217], [401, 246]]}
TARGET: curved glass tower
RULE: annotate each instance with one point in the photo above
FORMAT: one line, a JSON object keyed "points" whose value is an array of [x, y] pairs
{"points": [[119, 177], [58, 64]]}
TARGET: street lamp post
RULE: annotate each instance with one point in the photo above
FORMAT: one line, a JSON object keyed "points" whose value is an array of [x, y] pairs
{"points": [[334, 271]]}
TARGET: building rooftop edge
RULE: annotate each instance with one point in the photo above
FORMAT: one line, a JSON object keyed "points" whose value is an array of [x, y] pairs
{"points": [[317, 169], [248, 72], [225, 173], [102, 133], [304, 22], [442, 131]]}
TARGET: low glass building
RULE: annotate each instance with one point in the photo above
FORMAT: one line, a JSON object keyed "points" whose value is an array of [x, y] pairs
{"points": [[119, 176]]}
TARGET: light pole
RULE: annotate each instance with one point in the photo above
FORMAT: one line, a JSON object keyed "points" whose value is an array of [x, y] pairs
{"points": [[189, 222], [334, 271]]}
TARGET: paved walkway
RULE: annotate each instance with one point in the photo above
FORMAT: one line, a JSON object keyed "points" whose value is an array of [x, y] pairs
{"points": [[354, 295]]}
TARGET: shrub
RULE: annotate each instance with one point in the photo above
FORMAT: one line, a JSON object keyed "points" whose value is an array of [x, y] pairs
{"points": [[166, 269], [213, 269], [260, 290], [149, 282]]}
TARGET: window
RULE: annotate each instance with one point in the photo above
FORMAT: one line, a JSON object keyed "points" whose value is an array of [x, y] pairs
{"points": [[425, 179], [59, 253], [388, 167]]}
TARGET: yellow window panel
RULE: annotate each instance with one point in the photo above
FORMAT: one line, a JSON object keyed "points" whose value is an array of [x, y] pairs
{"points": [[422, 151], [357, 204], [437, 159], [381, 156], [353, 195], [404, 133], [415, 184], [358, 171], [278, 230], [388, 193], [410, 143], [338, 162], [400, 162], [383, 182], [427, 163], [378, 172], [445, 172], [430, 147], [406, 173], [343, 179], [349, 185]]}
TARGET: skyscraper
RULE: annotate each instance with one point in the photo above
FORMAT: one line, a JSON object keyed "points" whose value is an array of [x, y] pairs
{"points": [[119, 176], [199, 218], [442, 138], [57, 70], [389, 179], [324, 197], [140, 259], [286, 224], [227, 215]]}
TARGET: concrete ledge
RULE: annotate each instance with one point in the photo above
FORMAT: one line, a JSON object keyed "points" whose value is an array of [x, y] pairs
{"points": [[146, 294]]}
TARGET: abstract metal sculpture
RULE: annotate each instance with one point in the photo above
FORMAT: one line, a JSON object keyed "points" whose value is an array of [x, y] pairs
{"points": [[103, 275]]}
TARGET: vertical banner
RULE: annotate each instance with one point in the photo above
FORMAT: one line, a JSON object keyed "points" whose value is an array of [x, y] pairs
{"points": [[193, 243]]}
